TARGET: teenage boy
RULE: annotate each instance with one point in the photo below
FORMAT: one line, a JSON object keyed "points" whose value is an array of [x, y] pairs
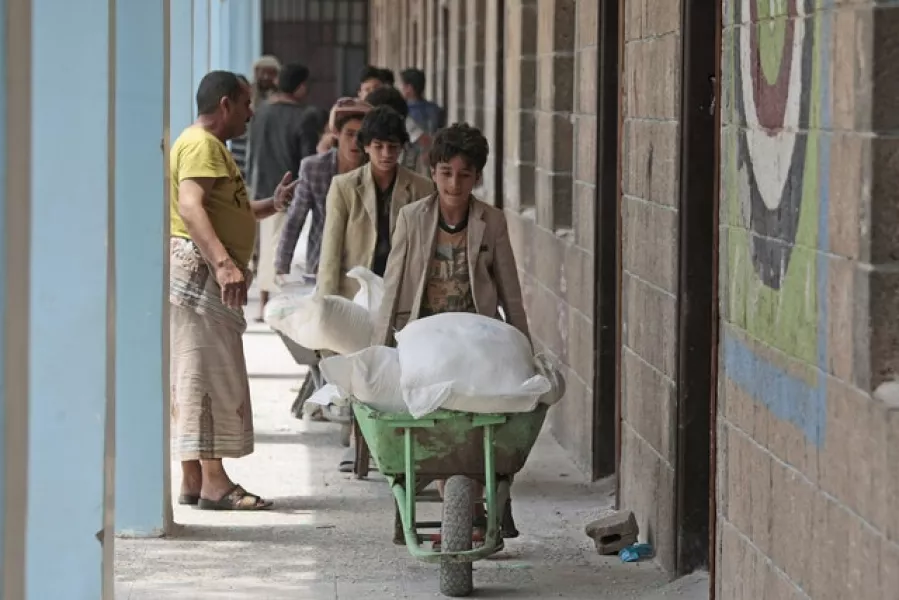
{"points": [[361, 210], [412, 156], [314, 181], [451, 252], [362, 205]]}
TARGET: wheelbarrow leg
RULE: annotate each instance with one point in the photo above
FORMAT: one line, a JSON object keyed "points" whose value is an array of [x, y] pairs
{"points": [[362, 464]]}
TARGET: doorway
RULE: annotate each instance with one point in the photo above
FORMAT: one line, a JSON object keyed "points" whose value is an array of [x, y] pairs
{"points": [[606, 251], [697, 299]]}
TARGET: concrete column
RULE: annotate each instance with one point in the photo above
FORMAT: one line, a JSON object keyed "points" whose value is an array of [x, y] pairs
{"points": [[473, 61], [255, 25], [69, 540], [200, 50], [15, 249], [181, 79], [243, 36], [430, 44], [141, 86], [219, 36], [555, 103], [456, 62], [521, 91], [441, 54]]}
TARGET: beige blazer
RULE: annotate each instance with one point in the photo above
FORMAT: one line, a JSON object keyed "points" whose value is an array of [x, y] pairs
{"points": [[491, 267], [351, 224]]}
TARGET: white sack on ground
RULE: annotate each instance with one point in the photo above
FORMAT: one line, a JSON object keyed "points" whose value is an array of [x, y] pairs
{"points": [[320, 322], [371, 376], [371, 289], [328, 394], [470, 362]]}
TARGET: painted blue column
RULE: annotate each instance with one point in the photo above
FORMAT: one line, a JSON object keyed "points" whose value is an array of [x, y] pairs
{"points": [[218, 36], [141, 224], [255, 26], [200, 50], [181, 79], [245, 35], [72, 370]]}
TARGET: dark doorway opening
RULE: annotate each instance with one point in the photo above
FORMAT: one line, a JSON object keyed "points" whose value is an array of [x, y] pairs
{"points": [[331, 38], [697, 286], [500, 114], [606, 267]]}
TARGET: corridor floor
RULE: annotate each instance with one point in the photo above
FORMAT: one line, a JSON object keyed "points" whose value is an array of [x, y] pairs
{"points": [[329, 535]]}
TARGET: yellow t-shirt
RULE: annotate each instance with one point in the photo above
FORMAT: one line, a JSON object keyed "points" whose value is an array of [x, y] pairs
{"points": [[199, 154]]}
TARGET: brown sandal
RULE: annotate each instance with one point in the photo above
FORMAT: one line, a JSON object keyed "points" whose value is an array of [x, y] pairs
{"points": [[236, 498]]}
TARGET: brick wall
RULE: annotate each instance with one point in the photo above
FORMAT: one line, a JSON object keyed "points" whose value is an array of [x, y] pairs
{"points": [[540, 101], [808, 462], [555, 255], [649, 217]]}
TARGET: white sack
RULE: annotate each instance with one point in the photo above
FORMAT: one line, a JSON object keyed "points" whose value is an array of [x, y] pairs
{"points": [[320, 322], [327, 395], [549, 369], [371, 289], [467, 362], [371, 376]]}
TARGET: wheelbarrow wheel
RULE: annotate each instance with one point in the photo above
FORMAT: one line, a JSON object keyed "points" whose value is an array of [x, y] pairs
{"points": [[456, 578]]}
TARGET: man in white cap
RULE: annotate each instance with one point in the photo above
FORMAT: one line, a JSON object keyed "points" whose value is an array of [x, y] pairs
{"points": [[265, 78]]}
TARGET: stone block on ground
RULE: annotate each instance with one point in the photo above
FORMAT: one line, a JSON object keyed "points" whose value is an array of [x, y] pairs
{"points": [[613, 531]]}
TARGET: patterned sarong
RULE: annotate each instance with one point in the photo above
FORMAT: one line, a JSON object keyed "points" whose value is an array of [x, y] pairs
{"points": [[212, 417]]}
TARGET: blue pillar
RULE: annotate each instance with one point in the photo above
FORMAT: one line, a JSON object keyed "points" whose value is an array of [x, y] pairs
{"points": [[15, 157], [143, 506], [181, 79], [245, 35], [218, 36], [200, 50], [71, 355], [255, 26]]}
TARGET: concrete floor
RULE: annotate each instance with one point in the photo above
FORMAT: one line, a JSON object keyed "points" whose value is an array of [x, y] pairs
{"points": [[329, 535]]}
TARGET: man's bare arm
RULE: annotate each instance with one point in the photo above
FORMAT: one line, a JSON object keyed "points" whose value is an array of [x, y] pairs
{"points": [[191, 193], [262, 209]]}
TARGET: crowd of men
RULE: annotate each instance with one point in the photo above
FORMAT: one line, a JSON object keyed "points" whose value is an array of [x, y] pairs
{"points": [[386, 185], [285, 129]]}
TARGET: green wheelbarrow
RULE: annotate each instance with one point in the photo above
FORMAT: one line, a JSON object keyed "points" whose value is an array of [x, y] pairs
{"points": [[465, 450]]}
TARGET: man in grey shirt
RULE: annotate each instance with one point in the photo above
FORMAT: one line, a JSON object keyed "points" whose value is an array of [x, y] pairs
{"points": [[285, 131]]}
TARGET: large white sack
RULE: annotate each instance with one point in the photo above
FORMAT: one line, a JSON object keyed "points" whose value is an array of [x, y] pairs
{"points": [[371, 289], [469, 362], [371, 376], [514, 404], [327, 395], [320, 322], [281, 306]]}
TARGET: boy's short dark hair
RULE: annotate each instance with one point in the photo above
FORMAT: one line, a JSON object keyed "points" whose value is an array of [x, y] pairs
{"points": [[462, 140], [214, 86], [369, 72], [344, 118], [416, 79], [384, 124], [387, 76], [389, 96], [291, 77]]}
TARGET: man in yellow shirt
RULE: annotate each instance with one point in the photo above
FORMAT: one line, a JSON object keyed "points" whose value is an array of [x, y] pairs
{"points": [[213, 233]]}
